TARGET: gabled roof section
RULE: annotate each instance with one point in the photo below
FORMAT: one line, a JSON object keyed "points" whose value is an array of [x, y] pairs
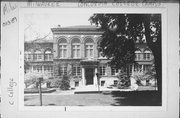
{"points": [[45, 39]]}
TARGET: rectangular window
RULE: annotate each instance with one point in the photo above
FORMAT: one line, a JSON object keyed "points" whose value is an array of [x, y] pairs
{"points": [[37, 68], [76, 70], [102, 83], [28, 57], [138, 56], [102, 70], [48, 69], [63, 51], [147, 56], [35, 57], [114, 71], [63, 70], [76, 51], [76, 84], [115, 82], [38, 57], [89, 50], [48, 57]]}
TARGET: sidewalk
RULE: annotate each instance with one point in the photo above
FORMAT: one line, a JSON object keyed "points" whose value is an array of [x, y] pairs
{"points": [[91, 89]]}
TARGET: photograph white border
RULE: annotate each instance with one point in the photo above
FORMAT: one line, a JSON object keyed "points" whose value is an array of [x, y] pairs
{"points": [[162, 11]]}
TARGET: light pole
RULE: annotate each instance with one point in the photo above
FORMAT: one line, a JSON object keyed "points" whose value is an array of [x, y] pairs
{"points": [[40, 90], [97, 74]]}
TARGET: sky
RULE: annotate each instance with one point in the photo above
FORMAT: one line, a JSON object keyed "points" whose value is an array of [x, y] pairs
{"points": [[39, 25]]}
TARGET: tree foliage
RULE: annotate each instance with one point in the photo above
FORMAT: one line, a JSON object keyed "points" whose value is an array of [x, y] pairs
{"points": [[124, 80], [65, 83], [31, 78], [123, 30]]}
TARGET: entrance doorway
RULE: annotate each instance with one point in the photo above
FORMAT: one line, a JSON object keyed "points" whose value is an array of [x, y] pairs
{"points": [[89, 74]]}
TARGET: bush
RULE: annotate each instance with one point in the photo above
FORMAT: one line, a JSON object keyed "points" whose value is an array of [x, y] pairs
{"points": [[32, 78], [65, 83], [55, 82], [124, 80], [143, 76]]}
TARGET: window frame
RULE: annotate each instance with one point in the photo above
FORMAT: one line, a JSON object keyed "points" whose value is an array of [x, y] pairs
{"points": [[75, 71], [76, 48], [114, 71], [62, 70], [38, 55], [147, 55], [48, 56], [62, 48], [89, 48], [103, 70]]}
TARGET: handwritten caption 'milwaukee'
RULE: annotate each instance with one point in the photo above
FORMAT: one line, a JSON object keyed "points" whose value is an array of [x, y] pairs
{"points": [[7, 9], [10, 91], [10, 21]]}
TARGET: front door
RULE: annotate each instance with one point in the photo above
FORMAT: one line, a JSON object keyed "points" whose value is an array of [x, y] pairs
{"points": [[89, 74]]}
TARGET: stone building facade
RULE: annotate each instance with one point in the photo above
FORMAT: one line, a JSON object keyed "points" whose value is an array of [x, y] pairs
{"points": [[38, 56], [73, 51]]}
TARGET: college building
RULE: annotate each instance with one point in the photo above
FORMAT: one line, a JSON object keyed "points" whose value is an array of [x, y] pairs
{"points": [[74, 51]]}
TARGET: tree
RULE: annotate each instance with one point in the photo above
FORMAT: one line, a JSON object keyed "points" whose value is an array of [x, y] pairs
{"points": [[31, 78], [122, 30]]}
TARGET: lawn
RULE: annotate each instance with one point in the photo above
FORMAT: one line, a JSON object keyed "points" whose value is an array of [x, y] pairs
{"points": [[134, 98]]}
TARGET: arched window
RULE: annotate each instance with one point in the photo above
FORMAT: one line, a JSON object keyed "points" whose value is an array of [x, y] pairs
{"points": [[89, 48], [76, 48], [62, 48], [147, 55], [28, 56], [138, 55], [48, 55], [38, 56]]}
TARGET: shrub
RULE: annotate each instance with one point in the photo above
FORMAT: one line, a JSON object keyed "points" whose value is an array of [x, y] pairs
{"points": [[55, 83], [140, 76], [65, 83], [124, 80], [32, 78]]}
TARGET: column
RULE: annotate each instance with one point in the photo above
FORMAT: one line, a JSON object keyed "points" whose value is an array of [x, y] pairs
{"points": [[43, 69], [82, 50], [95, 50], [142, 68], [69, 50], [132, 69], [95, 77], [55, 48], [83, 77]]}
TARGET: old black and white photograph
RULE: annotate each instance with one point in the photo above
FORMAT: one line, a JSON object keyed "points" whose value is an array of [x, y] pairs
{"points": [[92, 59]]}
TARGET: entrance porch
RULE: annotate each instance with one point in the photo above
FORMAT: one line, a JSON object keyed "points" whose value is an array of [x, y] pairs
{"points": [[89, 70]]}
